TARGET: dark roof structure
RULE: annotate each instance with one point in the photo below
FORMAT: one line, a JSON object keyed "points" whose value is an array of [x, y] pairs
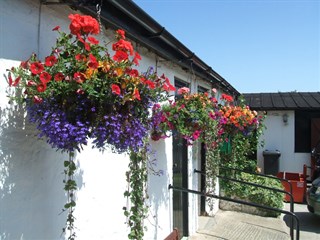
{"points": [[143, 29], [283, 101]]}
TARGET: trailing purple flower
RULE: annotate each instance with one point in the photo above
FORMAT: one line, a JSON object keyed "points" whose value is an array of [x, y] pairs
{"points": [[120, 131], [54, 124]]}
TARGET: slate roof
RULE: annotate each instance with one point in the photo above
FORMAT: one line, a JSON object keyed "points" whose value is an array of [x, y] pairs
{"points": [[283, 101]]}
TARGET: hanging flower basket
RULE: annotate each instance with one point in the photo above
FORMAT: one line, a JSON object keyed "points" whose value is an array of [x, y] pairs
{"points": [[191, 115], [81, 92]]}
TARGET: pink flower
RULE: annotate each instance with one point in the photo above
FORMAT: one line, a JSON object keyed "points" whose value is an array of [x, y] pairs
{"points": [[80, 91], [196, 135], [183, 90], [214, 91], [37, 99]]}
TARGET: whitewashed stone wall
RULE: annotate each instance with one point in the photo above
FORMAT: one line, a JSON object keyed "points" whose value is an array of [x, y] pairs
{"points": [[280, 136]]}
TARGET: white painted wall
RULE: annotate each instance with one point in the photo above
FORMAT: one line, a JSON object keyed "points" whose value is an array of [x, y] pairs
{"points": [[31, 173], [280, 136]]}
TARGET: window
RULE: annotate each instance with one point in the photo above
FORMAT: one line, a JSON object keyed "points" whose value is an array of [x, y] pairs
{"points": [[202, 89], [307, 130]]}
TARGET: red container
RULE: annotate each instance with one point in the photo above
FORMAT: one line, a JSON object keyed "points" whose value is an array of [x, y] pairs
{"points": [[298, 183]]}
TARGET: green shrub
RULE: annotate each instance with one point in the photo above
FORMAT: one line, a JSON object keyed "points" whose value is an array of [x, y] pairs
{"points": [[254, 194]]}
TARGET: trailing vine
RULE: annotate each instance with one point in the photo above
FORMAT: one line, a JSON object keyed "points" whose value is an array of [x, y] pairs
{"points": [[137, 179], [70, 187], [212, 160]]}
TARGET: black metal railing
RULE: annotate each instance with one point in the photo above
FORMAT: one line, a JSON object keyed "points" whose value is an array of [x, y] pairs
{"points": [[240, 202], [265, 187], [260, 174], [270, 177]]}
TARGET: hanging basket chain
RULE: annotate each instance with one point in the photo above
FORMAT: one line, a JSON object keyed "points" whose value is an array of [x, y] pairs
{"points": [[98, 8]]}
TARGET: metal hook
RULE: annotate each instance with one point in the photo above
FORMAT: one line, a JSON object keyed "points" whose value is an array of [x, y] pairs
{"points": [[98, 8]]}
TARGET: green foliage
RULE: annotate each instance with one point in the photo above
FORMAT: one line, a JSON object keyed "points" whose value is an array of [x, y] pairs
{"points": [[137, 178], [254, 194], [212, 160], [243, 146], [70, 186]]}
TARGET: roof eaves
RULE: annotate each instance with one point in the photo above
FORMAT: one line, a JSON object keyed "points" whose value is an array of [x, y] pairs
{"points": [[177, 53]]}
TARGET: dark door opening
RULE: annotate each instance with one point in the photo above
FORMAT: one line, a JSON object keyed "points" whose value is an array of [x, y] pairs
{"points": [[203, 180], [180, 179]]}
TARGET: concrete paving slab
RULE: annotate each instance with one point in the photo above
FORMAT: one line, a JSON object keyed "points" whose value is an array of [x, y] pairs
{"points": [[229, 225]]}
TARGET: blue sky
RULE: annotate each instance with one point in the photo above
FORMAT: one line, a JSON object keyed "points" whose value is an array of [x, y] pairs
{"points": [[256, 45]]}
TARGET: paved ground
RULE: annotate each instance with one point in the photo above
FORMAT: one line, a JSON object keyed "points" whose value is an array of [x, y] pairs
{"points": [[309, 223], [228, 225]]}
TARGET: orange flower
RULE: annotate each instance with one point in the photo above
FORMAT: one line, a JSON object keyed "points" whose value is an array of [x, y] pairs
{"points": [[136, 94]]}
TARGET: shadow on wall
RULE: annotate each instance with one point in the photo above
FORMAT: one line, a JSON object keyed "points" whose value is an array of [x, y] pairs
{"points": [[158, 191], [31, 180]]}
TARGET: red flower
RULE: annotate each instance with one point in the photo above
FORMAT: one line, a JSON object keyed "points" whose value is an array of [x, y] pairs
{"points": [[167, 86], [115, 89], [133, 72], [151, 84], [83, 24], [93, 62], [121, 33], [36, 68], [41, 87], [123, 45], [15, 82], [120, 56], [45, 77], [86, 45], [137, 94], [136, 58], [226, 97], [93, 40], [59, 77], [80, 57], [78, 77], [50, 61], [56, 28], [24, 64]]}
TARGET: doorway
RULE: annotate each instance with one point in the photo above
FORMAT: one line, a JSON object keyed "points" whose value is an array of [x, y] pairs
{"points": [[180, 179]]}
